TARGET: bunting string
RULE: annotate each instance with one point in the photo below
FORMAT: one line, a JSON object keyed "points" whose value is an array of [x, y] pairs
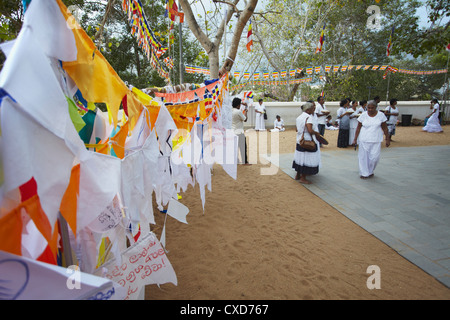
{"points": [[329, 69], [145, 37], [195, 69], [270, 82]]}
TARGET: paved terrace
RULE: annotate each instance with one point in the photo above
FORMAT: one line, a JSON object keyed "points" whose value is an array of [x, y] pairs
{"points": [[406, 205]]}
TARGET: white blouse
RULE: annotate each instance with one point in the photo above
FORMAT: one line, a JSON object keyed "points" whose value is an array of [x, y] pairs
{"points": [[371, 127], [300, 124]]}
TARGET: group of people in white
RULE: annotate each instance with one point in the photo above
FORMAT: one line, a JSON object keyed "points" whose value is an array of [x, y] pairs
{"points": [[261, 116], [360, 123]]}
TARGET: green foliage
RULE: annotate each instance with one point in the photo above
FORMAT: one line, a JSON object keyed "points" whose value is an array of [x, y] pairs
{"points": [[350, 41], [116, 43]]}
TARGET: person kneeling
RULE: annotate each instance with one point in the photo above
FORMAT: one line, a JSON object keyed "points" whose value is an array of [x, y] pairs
{"points": [[278, 124]]}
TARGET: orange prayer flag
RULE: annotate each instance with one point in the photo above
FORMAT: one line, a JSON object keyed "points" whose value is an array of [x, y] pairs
{"points": [[11, 226], [134, 107], [91, 72], [11, 232], [68, 207], [118, 141]]}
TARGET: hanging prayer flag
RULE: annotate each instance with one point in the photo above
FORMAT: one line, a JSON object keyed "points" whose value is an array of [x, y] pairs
{"points": [[359, 67], [250, 36], [447, 47], [309, 70], [237, 74], [144, 35], [275, 74], [248, 94], [344, 68], [321, 39], [246, 74], [283, 73], [256, 76], [393, 69], [389, 69], [292, 72], [172, 12], [336, 68], [169, 62], [317, 69], [266, 74], [327, 68], [389, 46], [366, 67], [375, 67], [383, 68]]}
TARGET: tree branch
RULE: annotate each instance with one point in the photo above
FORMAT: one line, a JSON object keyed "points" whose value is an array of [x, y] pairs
{"points": [[240, 25], [99, 34], [195, 28]]}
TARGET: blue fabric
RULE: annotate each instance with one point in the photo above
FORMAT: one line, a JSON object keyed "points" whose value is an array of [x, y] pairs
{"points": [[210, 81]]}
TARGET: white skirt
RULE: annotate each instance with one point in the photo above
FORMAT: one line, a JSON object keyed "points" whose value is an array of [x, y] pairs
{"points": [[368, 156], [351, 135], [433, 124], [259, 122]]}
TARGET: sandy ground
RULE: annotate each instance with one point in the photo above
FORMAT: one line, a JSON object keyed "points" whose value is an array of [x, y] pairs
{"points": [[266, 237]]}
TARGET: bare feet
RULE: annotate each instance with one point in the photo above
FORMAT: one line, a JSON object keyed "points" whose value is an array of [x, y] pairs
{"points": [[304, 181]]}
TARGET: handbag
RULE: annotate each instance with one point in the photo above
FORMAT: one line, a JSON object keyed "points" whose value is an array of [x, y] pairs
{"points": [[307, 144], [265, 116]]}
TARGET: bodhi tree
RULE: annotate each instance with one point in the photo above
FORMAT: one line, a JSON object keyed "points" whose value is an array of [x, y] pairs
{"points": [[288, 33], [212, 45]]}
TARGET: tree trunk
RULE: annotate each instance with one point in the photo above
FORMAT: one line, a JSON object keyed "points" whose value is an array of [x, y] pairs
{"points": [[293, 92], [212, 48], [136, 55], [214, 63], [244, 16]]}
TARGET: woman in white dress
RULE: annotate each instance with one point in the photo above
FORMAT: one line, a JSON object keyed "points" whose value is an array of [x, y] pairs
{"points": [[353, 121], [260, 109], [433, 124], [306, 162], [362, 106], [369, 135], [391, 113], [278, 125]]}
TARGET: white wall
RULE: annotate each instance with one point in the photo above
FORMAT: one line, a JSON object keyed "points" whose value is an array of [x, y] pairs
{"points": [[289, 111]]}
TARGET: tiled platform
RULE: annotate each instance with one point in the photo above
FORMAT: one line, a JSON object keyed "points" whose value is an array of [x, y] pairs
{"points": [[406, 205]]}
